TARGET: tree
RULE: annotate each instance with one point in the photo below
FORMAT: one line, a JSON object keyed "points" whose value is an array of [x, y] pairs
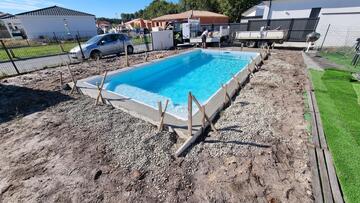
{"points": [[207, 5], [110, 20], [127, 16], [234, 8], [158, 8], [231, 8]]}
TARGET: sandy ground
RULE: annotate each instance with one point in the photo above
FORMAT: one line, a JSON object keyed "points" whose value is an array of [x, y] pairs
{"points": [[60, 148]]}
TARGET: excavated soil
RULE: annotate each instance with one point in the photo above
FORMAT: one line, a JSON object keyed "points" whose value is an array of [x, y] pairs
{"points": [[60, 148]]}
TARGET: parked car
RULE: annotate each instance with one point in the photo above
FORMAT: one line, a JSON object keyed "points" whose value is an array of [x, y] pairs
{"points": [[103, 45]]}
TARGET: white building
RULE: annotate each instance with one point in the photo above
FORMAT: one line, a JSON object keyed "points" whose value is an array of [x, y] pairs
{"points": [[343, 16], [43, 23]]}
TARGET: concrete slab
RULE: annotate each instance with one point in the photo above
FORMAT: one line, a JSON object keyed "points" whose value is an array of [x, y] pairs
{"points": [[310, 63]]}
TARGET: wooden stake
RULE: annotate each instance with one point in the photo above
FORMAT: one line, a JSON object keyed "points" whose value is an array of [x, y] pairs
{"points": [[100, 89], [203, 117], [256, 66], [227, 97], [250, 72], [162, 115], [74, 81], [237, 82], [126, 57], [61, 80], [190, 114], [204, 113]]}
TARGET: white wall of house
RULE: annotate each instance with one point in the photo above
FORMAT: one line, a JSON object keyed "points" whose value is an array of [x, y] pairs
{"points": [[343, 15], [302, 8], [36, 26], [344, 26]]}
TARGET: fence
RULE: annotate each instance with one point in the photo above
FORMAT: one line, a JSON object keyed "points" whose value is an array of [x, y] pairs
{"points": [[338, 36], [23, 55]]}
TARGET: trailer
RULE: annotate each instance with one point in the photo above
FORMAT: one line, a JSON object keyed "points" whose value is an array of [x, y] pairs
{"points": [[261, 38]]}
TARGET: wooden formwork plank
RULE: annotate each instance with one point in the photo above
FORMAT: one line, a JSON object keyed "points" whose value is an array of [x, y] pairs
{"points": [[335, 187], [316, 186], [314, 131], [325, 182], [320, 129]]}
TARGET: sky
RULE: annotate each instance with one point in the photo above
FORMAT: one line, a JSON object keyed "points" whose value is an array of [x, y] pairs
{"points": [[104, 8]]}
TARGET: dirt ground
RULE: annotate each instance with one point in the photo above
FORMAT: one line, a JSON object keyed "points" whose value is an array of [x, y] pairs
{"points": [[60, 148]]}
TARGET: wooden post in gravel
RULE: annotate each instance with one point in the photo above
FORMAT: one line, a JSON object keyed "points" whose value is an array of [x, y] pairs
{"points": [[202, 109], [126, 57], [61, 80], [227, 97], [162, 115], [237, 82], [190, 114], [73, 80], [253, 60], [99, 96], [203, 117]]}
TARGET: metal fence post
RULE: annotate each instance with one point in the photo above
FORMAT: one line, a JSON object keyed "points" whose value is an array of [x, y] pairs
{"points": [[290, 28], [78, 41], [57, 41], [8, 54], [322, 44]]}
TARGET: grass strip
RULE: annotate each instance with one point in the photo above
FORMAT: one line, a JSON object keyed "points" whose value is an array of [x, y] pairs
{"points": [[340, 114]]}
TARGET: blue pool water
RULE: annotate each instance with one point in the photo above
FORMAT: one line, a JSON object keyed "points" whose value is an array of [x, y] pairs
{"points": [[201, 71]]}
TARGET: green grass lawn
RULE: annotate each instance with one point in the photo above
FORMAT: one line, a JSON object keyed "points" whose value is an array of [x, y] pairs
{"points": [[341, 59], [36, 51], [338, 100]]}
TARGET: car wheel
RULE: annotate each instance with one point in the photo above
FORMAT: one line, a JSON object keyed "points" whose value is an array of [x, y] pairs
{"points": [[96, 55], [130, 49]]}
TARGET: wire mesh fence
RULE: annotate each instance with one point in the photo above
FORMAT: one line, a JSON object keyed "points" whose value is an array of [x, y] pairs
{"points": [[342, 37], [19, 56]]}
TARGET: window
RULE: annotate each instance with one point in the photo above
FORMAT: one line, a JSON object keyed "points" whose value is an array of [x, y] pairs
{"points": [[109, 39], [315, 12], [121, 37]]}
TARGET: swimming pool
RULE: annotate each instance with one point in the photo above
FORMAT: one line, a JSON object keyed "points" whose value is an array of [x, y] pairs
{"points": [[201, 72]]}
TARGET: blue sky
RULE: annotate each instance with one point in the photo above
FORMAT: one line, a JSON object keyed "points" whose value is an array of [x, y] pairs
{"points": [[104, 8]]}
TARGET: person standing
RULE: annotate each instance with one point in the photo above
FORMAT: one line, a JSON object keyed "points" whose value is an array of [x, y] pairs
{"points": [[203, 37]]}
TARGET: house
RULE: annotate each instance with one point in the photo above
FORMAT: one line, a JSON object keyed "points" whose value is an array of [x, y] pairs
{"points": [[139, 23], [342, 16], [43, 23], [205, 17], [4, 31], [104, 25]]}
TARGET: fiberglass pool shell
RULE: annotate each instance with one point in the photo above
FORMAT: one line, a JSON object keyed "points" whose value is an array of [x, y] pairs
{"points": [[201, 72]]}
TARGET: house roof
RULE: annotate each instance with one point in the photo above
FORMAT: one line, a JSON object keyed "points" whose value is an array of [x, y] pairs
{"points": [[189, 14], [138, 19], [54, 11], [103, 22], [5, 15]]}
